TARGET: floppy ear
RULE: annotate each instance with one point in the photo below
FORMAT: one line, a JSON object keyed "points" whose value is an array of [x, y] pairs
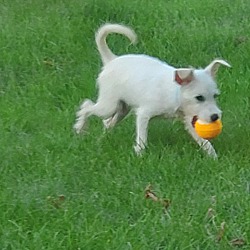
{"points": [[212, 68], [184, 76]]}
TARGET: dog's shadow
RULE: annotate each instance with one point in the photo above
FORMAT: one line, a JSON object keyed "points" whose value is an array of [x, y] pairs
{"points": [[162, 133], [167, 133]]}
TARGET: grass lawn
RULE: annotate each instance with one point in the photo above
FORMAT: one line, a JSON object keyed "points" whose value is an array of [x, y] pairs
{"points": [[63, 191]]}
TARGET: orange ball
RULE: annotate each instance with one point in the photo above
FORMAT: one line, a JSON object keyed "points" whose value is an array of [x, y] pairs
{"points": [[208, 130]]}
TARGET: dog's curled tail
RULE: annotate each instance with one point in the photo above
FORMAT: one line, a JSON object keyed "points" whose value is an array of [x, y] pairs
{"points": [[104, 31]]}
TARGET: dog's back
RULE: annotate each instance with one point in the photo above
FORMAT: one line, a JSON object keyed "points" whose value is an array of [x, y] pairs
{"points": [[140, 80]]}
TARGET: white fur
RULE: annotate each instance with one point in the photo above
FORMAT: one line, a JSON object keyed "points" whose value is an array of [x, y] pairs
{"points": [[151, 88]]}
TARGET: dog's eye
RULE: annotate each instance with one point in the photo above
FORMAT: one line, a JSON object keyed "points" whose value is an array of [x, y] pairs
{"points": [[200, 98]]}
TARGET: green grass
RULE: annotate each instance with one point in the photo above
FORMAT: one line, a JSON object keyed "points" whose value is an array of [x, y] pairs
{"points": [[48, 65]]}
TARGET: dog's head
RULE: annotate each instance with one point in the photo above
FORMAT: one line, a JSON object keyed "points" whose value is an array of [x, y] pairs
{"points": [[199, 91]]}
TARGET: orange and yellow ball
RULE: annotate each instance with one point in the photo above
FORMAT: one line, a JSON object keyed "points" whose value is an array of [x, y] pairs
{"points": [[208, 130]]}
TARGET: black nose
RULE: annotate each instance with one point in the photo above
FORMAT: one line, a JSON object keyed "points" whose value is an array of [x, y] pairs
{"points": [[214, 117]]}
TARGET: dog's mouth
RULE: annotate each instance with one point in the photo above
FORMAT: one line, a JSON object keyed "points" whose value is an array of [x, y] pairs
{"points": [[195, 118]]}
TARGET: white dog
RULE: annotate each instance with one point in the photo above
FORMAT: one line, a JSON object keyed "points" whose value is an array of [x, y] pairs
{"points": [[151, 88]]}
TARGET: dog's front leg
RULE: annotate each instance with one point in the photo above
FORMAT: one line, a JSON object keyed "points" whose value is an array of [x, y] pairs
{"points": [[142, 120], [204, 144]]}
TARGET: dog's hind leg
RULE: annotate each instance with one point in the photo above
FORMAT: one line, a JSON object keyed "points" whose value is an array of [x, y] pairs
{"points": [[121, 112], [103, 108], [82, 115]]}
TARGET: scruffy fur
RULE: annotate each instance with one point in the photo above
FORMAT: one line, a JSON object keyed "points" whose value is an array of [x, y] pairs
{"points": [[151, 88]]}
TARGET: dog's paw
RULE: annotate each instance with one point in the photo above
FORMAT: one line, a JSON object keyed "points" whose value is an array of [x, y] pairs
{"points": [[107, 123], [78, 126], [213, 154], [138, 150], [209, 149]]}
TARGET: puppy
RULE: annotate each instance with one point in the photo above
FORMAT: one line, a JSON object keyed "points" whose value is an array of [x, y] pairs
{"points": [[151, 88]]}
